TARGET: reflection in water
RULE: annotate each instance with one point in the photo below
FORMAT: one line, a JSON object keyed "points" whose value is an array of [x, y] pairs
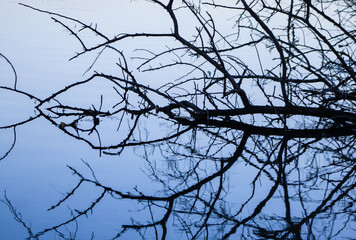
{"points": [[192, 137]]}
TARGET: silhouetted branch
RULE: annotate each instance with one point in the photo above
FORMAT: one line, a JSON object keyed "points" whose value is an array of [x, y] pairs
{"points": [[254, 118]]}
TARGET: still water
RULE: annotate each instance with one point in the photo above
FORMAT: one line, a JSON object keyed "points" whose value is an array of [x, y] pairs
{"points": [[36, 173]]}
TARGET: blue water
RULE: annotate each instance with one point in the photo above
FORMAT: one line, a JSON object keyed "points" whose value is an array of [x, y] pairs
{"points": [[35, 174]]}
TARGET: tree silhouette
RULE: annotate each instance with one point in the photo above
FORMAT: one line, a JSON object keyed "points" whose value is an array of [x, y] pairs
{"points": [[270, 91]]}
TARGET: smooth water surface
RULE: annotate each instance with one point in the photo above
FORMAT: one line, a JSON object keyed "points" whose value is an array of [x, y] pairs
{"points": [[36, 173]]}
